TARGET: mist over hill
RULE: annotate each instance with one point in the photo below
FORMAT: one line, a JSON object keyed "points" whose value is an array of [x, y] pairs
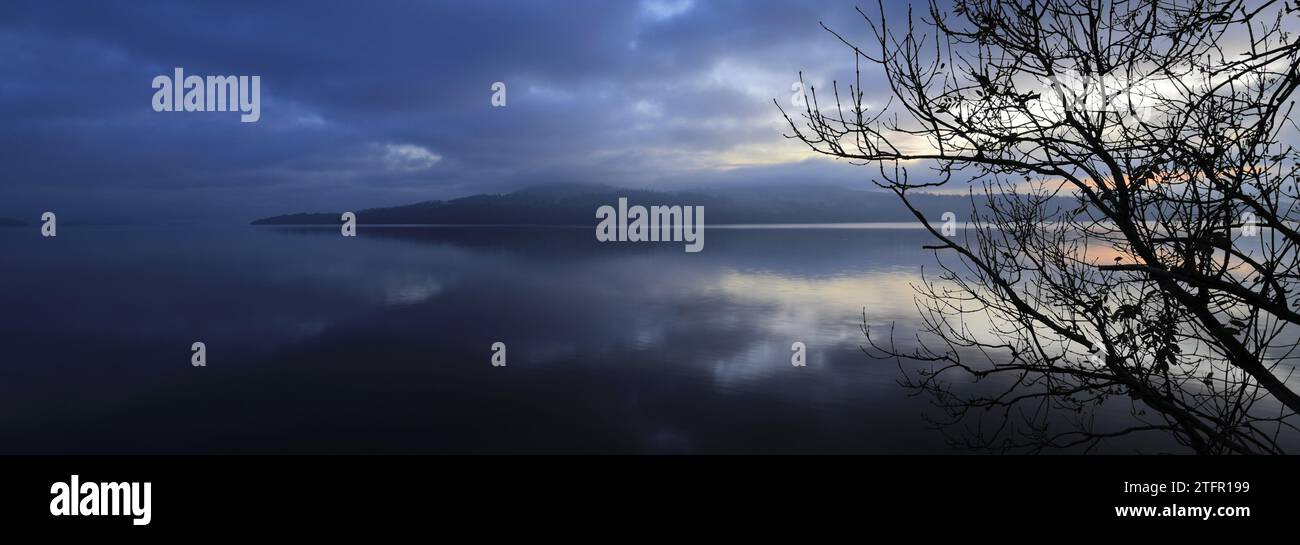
{"points": [[575, 204]]}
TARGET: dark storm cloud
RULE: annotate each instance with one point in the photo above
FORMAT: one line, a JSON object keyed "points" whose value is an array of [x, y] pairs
{"points": [[367, 104]]}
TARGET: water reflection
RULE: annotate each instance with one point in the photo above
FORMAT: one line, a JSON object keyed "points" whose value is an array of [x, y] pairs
{"points": [[317, 343]]}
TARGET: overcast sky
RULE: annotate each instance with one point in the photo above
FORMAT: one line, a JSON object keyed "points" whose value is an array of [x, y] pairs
{"points": [[382, 103]]}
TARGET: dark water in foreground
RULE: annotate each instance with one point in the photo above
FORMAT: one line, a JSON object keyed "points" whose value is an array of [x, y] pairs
{"points": [[381, 343]]}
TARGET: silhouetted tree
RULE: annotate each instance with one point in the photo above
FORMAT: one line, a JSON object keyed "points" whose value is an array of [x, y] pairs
{"points": [[1170, 276]]}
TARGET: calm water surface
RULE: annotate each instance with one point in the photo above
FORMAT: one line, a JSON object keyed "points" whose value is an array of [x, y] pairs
{"points": [[381, 343]]}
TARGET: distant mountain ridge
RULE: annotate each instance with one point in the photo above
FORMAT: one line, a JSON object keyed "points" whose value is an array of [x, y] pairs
{"points": [[575, 204]]}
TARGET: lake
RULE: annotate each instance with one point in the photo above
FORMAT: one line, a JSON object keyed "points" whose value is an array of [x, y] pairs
{"points": [[382, 343]]}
